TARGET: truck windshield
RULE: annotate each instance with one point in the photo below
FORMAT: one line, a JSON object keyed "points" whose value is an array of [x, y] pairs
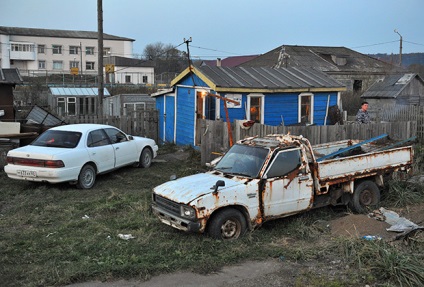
{"points": [[243, 160]]}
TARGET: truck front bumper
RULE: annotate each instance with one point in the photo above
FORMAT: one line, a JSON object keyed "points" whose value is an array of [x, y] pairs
{"points": [[176, 221]]}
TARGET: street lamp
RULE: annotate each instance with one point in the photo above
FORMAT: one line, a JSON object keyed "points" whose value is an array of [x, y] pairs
{"points": [[400, 48]]}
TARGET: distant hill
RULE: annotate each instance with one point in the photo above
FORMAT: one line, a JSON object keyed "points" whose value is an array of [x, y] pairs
{"points": [[407, 59]]}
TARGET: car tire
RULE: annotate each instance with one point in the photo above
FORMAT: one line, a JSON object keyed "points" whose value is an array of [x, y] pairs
{"points": [[87, 177], [365, 197], [146, 158], [227, 224]]}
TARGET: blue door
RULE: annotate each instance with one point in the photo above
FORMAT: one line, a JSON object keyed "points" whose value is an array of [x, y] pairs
{"points": [[169, 118]]}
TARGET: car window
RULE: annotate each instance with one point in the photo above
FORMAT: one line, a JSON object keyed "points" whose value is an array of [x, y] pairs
{"points": [[97, 138], [115, 135], [285, 162], [60, 139]]}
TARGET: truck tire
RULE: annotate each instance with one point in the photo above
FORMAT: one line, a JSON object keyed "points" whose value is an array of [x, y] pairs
{"points": [[227, 224], [365, 197]]}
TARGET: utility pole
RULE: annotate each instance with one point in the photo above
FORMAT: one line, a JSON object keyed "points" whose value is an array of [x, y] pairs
{"points": [[100, 57], [400, 48]]}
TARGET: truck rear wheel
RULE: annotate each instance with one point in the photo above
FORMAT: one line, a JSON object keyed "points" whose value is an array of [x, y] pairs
{"points": [[227, 224], [365, 197]]}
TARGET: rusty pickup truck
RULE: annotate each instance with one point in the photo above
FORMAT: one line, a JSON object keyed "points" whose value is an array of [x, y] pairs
{"points": [[261, 179]]}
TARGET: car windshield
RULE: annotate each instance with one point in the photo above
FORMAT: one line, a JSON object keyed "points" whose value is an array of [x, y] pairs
{"points": [[243, 160], [60, 139]]}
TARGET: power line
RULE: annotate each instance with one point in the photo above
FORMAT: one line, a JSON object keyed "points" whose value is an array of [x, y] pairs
{"points": [[375, 44]]}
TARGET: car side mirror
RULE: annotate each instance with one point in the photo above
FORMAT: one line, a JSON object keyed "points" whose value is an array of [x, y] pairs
{"points": [[130, 137], [217, 184]]}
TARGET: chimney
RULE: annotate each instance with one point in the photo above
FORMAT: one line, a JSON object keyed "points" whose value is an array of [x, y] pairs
{"points": [[218, 62]]}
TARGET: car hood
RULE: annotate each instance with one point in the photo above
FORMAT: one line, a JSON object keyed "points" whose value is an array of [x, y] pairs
{"points": [[38, 152], [186, 189]]}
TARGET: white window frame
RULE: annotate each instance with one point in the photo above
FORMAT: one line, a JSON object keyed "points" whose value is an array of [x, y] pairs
{"points": [[106, 51], [299, 120], [89, 65], [89, 50], [42, 65], [56, 65], [41, 49], [134, 106], [262, 106], [73, 64], [67, 102], [57, 49], [73, 50]]}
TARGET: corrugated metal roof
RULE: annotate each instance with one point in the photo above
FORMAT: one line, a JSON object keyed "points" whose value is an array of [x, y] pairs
{"points": [[268, 78], [10, 76], [77, 92], [326, 59], [390, 87], [57, 33]]}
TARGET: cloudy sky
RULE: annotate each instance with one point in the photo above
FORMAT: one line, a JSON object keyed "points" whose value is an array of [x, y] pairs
{"points": [[223, 28]]}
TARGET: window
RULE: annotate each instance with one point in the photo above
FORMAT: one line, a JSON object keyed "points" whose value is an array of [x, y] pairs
{"points": [[115, 136], [73, 50], [285, 162], [22, 47], [255, 105], [73, 64], [57, 65], [41, 65], [144, 79], [106, 52], [66, 106], [89, 50], [97, 138], [357, 86], [41, 49], [89, 65], [129, 107], [127, 79], [306, 104], [57, 49]]}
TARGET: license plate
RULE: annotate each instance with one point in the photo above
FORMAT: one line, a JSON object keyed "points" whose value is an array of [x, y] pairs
{"points": [[26, 173]]}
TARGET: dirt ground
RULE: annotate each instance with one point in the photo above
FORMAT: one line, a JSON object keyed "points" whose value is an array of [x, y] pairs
{"points": [[277, 271]]}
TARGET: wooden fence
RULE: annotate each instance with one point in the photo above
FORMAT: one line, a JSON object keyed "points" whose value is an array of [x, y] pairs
{"points": [[140, 123], [215, 135]]}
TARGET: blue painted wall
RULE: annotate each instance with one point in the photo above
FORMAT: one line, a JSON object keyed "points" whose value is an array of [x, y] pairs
{"points": [[160, 108], [170, 118]]}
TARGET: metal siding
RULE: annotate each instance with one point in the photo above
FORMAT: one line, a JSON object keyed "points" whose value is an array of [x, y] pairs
{"points": [[185, 116], [277, 105], [233, 113]]}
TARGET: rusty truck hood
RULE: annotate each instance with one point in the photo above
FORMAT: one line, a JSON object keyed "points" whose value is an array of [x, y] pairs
{"points": [[186, 189]]}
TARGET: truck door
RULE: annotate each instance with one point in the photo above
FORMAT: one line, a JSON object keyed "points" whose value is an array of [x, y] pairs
{"points": [[289, 184]]}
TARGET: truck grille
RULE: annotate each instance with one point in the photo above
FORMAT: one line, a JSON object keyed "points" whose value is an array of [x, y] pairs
{"points": [[168, 205]]}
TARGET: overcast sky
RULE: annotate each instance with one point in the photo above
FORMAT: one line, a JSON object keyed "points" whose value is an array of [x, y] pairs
{"points": [[223, 28]]}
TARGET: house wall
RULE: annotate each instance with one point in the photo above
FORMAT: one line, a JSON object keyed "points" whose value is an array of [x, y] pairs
{"points": [[412, 94], [185, 117], [136, 75], [27, 67]]}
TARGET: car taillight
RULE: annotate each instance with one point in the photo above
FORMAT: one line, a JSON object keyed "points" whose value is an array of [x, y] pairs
{"points": [[35, 162]]}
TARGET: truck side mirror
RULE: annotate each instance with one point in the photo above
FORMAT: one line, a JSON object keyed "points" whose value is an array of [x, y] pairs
{"points": [[218, 184]]}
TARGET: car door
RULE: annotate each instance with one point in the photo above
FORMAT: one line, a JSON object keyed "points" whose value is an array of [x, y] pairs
{"points": [[289, 184], [100, 150], [124, 149]]}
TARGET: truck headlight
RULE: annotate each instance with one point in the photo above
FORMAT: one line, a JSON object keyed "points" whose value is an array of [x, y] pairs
{"points": [[188, 211]]}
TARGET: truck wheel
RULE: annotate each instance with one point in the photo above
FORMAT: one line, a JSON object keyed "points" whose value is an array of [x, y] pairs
{"points": [[366, 196], [227, 224], [87, 177]]}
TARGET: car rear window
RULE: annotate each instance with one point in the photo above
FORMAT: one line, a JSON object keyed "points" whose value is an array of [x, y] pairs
{"points": [[59, 139]]}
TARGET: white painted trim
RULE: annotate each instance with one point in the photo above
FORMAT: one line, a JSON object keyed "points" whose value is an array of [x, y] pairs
{"points": [[254, 95], [299, 102]]}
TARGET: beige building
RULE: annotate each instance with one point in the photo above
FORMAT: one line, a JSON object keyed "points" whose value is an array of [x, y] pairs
{"points": [[45, 51]]}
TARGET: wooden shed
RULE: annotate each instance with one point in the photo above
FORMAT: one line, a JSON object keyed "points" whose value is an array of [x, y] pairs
{"points": [[9, 78]]}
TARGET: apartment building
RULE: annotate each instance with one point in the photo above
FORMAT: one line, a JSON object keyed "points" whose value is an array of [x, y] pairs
{"points": [[45, 51]]}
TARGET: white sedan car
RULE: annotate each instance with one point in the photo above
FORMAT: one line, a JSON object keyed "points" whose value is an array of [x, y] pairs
{"points": [[77, 153]]}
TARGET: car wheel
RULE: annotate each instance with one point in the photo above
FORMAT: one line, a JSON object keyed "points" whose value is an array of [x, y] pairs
{"points": [[87, 177], [365, 197], [227, 224], [146, 158]]}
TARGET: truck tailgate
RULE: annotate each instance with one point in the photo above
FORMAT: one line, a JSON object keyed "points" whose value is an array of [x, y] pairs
{"points": [[363, 164]]}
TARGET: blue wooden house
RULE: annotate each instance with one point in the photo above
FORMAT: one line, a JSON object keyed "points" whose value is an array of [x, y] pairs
{"points": [[268, 96]]}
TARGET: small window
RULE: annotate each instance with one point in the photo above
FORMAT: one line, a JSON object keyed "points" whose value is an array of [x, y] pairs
{"points": [[73, 50], [41, 65], [127, 79], [89, 50], [106, 52], [255, 108], [73, 64], [57, 65], [144, 79], [89, 65], [284, 163], [41, 49], [306, 109], [357, 86], [57, 49]]}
